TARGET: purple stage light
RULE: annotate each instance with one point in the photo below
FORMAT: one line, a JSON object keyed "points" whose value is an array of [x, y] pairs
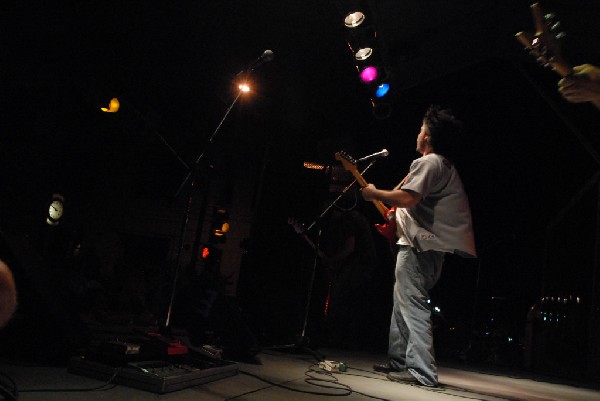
{"points": [[369, 74]]}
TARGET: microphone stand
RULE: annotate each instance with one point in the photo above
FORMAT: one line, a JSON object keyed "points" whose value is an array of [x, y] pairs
{"points": [[192, 171], [303, 341]]}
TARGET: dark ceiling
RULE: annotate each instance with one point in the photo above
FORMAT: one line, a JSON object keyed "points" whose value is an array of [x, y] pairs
{"points": [[172, 65]]}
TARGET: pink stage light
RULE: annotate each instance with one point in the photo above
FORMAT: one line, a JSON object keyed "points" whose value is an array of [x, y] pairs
{"points": [[369, 74]]}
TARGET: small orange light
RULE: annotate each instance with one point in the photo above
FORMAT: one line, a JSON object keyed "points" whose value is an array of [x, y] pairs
{"points": [[205, 252], [244, 87], [225, 227], [314, 166], [113, 106]]}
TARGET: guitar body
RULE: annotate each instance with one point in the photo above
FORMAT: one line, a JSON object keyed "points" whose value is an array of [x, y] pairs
{"points": [[388, 231]]}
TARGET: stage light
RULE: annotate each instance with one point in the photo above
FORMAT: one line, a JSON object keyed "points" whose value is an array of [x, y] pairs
{"points": [[354, 19], [381, 109], [362, 42], [219, 232], [220, 226], [113, 106], [210, 256], [382, 90], [369, 54], [369, 74], [205, 253], [363, 53], [55, 209], [244, 87]]}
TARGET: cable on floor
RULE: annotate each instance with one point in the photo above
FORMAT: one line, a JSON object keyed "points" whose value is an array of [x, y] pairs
{"points": [[316, 377], [102, 387]]}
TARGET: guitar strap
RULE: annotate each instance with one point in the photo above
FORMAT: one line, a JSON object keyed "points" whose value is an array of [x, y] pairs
{"points": [[402, 182]]}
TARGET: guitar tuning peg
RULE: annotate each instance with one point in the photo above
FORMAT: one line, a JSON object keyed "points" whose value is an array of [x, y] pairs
{"points": [[555, 26], [561, 35], [542, 61], [549, 16]]}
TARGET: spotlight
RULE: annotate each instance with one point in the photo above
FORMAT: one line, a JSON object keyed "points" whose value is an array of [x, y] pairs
{"points": [[220, 226], [369, 54], [369, 74], [113, 106], [354, 19], [244, 88], [363, 53], [382, 90], [55, 209], [362, 42]]}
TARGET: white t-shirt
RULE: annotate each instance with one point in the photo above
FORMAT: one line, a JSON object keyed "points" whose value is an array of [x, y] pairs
{"points": [[441, 221]]}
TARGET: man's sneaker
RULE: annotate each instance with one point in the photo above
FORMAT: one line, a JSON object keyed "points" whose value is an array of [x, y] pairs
{"points": [[402, 377], [384, 368]]}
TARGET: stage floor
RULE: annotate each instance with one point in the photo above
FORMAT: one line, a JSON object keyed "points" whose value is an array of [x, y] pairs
{"points": [[296, 376]]}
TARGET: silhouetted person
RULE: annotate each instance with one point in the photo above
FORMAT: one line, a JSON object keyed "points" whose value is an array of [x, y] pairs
{"points": [[8, 294], [348, 252]]}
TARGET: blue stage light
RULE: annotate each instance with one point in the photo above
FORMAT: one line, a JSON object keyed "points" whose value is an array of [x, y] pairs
{"points": [[382, 90]]}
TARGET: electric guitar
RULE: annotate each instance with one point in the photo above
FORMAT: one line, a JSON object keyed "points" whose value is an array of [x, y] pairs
{"points": [[388, 229], [300, 230], [544, 43]]}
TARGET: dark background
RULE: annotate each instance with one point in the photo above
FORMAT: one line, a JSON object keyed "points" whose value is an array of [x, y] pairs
{"points": [[525, 154]]}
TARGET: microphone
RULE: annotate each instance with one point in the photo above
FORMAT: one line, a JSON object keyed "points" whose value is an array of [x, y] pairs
{"points": [[265, 57], [381, 153]]}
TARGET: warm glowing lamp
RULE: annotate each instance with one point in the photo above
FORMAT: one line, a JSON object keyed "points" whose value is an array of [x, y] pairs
{"points": [[244, 87], [113, 106], [223, 230]]}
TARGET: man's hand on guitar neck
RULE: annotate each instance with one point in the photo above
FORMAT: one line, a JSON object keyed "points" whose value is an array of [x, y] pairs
{"points": [[582, 86]]}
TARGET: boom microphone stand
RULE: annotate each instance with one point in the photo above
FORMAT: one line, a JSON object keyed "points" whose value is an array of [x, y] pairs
{"points": [[266, 56], [302, 343], [186, 217]]}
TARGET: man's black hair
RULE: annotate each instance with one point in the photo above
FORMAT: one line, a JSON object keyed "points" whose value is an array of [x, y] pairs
{"points": [[443, 128]]}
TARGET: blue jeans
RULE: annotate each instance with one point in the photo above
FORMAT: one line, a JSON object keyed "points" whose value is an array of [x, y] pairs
{"points": [[411, 335]]}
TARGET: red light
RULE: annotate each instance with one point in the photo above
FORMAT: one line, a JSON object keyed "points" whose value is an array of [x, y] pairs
{"points": [[205, 252]]}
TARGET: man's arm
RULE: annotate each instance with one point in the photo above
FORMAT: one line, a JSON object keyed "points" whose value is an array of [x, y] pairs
{"points": [[394, 197], [8, 294]]}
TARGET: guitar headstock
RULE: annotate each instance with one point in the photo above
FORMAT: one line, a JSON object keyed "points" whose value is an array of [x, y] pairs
{"points": [[297, 225], [544, 43], [347, 161], [349, 164]]}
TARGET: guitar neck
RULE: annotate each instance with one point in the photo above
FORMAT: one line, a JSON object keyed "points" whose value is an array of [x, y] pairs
{"points": [[544, 44], [383, 210], [309, 241], [351, 167], [378, 204]]}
